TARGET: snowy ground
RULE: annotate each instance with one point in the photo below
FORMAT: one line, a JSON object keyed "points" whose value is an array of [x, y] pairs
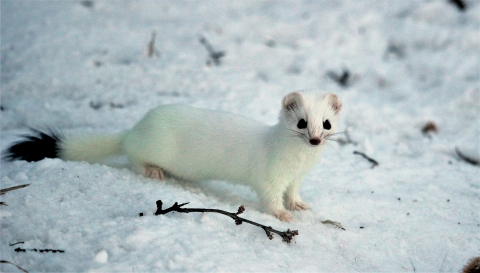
{"points": [[82, 66]]}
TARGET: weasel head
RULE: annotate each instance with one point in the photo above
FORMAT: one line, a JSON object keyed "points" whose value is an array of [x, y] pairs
{"points": [[310, 118]]}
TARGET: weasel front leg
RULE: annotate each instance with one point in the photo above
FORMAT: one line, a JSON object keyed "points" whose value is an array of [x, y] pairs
{"points": [[292, 196], [272, 197]]}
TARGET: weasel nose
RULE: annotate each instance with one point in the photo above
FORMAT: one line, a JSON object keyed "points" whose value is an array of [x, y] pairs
{"points": [[314, 141]]}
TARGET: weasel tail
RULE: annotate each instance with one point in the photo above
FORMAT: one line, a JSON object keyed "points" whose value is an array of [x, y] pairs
{"points": [[92, 148], [197, 144], [53, 144]]}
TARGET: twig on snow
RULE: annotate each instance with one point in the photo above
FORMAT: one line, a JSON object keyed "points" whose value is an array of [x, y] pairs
{"points": [[460, 4], [3, 191], [7, 262], [151, 46], [428, 128], [347, 140], [466, 158], [17, 243], [330, 222], [214, 55], [287, 236], [18, 249], [343, 79], [371, 160], [87, 3]]}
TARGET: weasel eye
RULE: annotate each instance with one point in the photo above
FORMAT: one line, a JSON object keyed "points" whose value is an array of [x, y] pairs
{"points": [[327, 125], [302, 124]]}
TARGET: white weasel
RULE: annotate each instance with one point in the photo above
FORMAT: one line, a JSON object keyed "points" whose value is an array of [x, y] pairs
{"points": [[196, 144]]}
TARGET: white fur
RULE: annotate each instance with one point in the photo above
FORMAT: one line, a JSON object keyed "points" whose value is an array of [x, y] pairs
{"points": [[195, 144], [91, 148]]}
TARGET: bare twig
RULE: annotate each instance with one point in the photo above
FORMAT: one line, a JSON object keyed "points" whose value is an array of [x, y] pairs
{"points": [[465, 158], [460, 4], [214, 55], [87, 3], [7, 262], [151, 46], [371, 160], [17, 243], [343, 79], [96, 105], [330, 222], [347, 140], [287, 236], [428, 128], [413, 265], [18, 249], [3, 191]]}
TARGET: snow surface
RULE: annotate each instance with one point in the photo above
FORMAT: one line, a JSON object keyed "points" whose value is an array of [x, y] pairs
{"points": [[84, 68]]}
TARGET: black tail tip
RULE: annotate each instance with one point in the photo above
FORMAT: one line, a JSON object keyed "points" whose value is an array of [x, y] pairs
{"points": [[35, 146]]}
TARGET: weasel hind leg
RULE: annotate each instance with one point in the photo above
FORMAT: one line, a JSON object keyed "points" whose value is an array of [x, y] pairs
{"points": [[153, 172], [149, 170]]}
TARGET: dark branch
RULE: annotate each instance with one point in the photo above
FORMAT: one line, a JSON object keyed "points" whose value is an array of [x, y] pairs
{"points": [[18, 249], [466, 158], [3, 191], [349, 139], [7, 262], [214, 55], [343, 79], [151, 50], [287, 236], [371, 160], [428, 128], [460, 4], [346, 140]]}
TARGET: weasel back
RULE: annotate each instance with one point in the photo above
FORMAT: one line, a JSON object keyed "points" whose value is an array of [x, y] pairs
{"points": [[196, 144]]}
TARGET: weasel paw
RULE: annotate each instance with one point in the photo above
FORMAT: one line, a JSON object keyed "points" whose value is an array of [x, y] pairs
{"points": [[284, 215], [154, 172], [297, 205]]}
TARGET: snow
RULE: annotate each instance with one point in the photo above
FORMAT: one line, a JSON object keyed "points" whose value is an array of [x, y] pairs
{"points": [[101, 257], [82, 68]]}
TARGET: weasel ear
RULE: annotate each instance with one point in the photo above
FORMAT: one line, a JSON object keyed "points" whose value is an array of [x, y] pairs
{"points": [[334, 102], [292, 101]]}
